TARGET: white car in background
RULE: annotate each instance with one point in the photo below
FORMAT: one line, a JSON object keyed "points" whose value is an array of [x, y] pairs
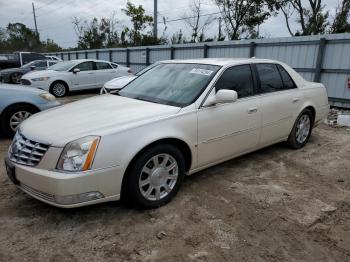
{"points": [[118, 83], [52, 57], [180, 117], [74, 75]]}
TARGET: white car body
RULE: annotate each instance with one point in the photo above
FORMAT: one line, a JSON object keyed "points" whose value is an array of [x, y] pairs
{"points": [[89, 79], [210, 134], [116, 84], [52, 57]]}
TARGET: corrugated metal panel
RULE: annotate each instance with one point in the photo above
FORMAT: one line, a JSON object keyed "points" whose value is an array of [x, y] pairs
{"points": [[188, 53], [137, 56], [159, 55], [65, 57], [307, 76], [228, 52], [104, 55], [337, 56], [81, 56], [336, 85], [92, 55], [119, 57], [136, 68]]}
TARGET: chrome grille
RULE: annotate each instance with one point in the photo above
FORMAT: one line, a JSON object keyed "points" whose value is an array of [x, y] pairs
{"points": [[37, 193], [25, 151]]}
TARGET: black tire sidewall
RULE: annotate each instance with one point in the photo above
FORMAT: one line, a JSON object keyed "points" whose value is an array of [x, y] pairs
{"points": [[8, 113], [131, 192], [292, 141], [59, 82]]}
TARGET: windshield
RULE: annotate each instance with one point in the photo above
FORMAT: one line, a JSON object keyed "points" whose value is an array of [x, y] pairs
{"points": [[171, 84], [63, 66]]}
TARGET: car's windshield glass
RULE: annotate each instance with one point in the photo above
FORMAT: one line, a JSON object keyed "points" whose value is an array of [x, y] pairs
{"points": [[171, 84], [63, 66]]}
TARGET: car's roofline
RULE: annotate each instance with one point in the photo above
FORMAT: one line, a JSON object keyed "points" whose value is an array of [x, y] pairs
{"points": [[220, 61]]}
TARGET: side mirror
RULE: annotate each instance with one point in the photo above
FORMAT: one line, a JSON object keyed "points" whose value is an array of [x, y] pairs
{"points": [[223, 96], [32, 68], [76, 70]]}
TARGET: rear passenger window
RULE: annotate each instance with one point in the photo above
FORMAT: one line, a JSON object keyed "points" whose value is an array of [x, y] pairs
{"points": [[102, 66], [238, 78], [287, 80], [270, 78]]}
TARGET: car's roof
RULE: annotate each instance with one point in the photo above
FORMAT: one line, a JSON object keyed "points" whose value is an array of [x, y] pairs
{"points": [[221, 61], [92, 60]]}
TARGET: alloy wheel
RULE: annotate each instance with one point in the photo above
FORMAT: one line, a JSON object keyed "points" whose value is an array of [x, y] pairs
{"points": [[303, 128], [17, 118]]}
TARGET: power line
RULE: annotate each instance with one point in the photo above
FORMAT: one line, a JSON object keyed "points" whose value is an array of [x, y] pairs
{"points": [[184, 18], [46, 5]]}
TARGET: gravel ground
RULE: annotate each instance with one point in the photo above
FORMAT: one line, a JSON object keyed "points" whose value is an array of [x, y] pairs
{"points": [[276, 204]]}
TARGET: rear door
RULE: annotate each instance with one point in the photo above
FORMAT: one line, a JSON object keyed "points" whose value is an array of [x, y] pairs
{"points": [[279, 102], [85, 79], [104, 73]]}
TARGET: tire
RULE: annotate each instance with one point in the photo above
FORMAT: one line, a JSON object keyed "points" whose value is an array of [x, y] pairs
{"points": [[59, 89], [302, 129], [144, 173], [15, 78], [16, 112]]}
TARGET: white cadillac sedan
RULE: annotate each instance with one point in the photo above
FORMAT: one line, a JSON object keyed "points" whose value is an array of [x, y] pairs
{"points": [[74, 75], [178, 118]]}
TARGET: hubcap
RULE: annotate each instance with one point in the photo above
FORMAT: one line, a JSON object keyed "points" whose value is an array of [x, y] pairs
{"points": [[17, 118], [16, 78], [303, 128], [158, 177], [58, 89]]}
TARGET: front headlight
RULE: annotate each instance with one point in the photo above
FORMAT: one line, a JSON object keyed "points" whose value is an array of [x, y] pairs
{"points": [[41, 78], [79, 154], [48, 97]]}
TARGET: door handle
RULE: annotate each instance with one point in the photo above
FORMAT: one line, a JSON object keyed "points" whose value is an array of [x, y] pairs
{"points": [[252, 110], [295, 100]]}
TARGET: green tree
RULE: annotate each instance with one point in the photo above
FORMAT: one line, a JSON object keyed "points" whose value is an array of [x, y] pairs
{"points": [[311, 16], [341, 20]]}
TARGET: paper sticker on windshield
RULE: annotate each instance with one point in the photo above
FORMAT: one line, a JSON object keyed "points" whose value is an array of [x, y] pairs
{"points": [[200, 71]]}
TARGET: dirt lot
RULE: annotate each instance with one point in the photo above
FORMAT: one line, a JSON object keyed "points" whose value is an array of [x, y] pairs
{"points": [[273, 205]]}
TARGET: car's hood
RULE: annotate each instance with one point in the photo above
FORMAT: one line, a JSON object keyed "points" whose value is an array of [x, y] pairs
{"points": [[98, 115], [10, 70], [119, 82], [19, 89], [41, 73]]}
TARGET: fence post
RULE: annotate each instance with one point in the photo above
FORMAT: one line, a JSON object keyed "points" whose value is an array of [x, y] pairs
{"points": [[319, 61], [110, 55], [86, 55], [68, 55], [205, 50], [172, 52], [62, 56], [97, 54], [147, 57], [252, 49], [76, 55], [127, 57]]}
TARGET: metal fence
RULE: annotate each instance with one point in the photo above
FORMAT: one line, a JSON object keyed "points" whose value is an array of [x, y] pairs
{"points": [[323, 58]]}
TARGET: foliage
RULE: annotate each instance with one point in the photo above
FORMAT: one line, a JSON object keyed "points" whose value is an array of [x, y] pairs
{"points": [[18, 37], [341, 20]]}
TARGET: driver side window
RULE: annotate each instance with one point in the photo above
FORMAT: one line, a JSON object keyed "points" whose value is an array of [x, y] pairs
{"points": [[238, 78]]}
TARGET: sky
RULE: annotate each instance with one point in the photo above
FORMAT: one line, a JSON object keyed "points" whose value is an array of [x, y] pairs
{"points": [[54, 17]]}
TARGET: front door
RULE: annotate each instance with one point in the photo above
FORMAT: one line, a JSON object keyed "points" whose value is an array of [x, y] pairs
{"points": [[227, 130], [85, 79]]}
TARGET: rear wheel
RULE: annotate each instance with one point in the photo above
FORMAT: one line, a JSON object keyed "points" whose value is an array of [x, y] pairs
{"points": [[301, 131], [14, 116], [154, 177], [15, 78], [59, 89]]}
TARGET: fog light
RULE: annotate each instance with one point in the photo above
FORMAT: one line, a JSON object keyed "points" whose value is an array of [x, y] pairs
{"points": [[79, 198]]}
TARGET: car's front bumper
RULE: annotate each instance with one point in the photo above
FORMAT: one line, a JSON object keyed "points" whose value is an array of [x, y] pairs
{"points": [[69, 190]]}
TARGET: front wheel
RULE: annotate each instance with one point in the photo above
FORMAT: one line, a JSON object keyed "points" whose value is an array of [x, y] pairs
{"points": [[155, 176], [301, 131], [58, 89], [14, 116]]}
